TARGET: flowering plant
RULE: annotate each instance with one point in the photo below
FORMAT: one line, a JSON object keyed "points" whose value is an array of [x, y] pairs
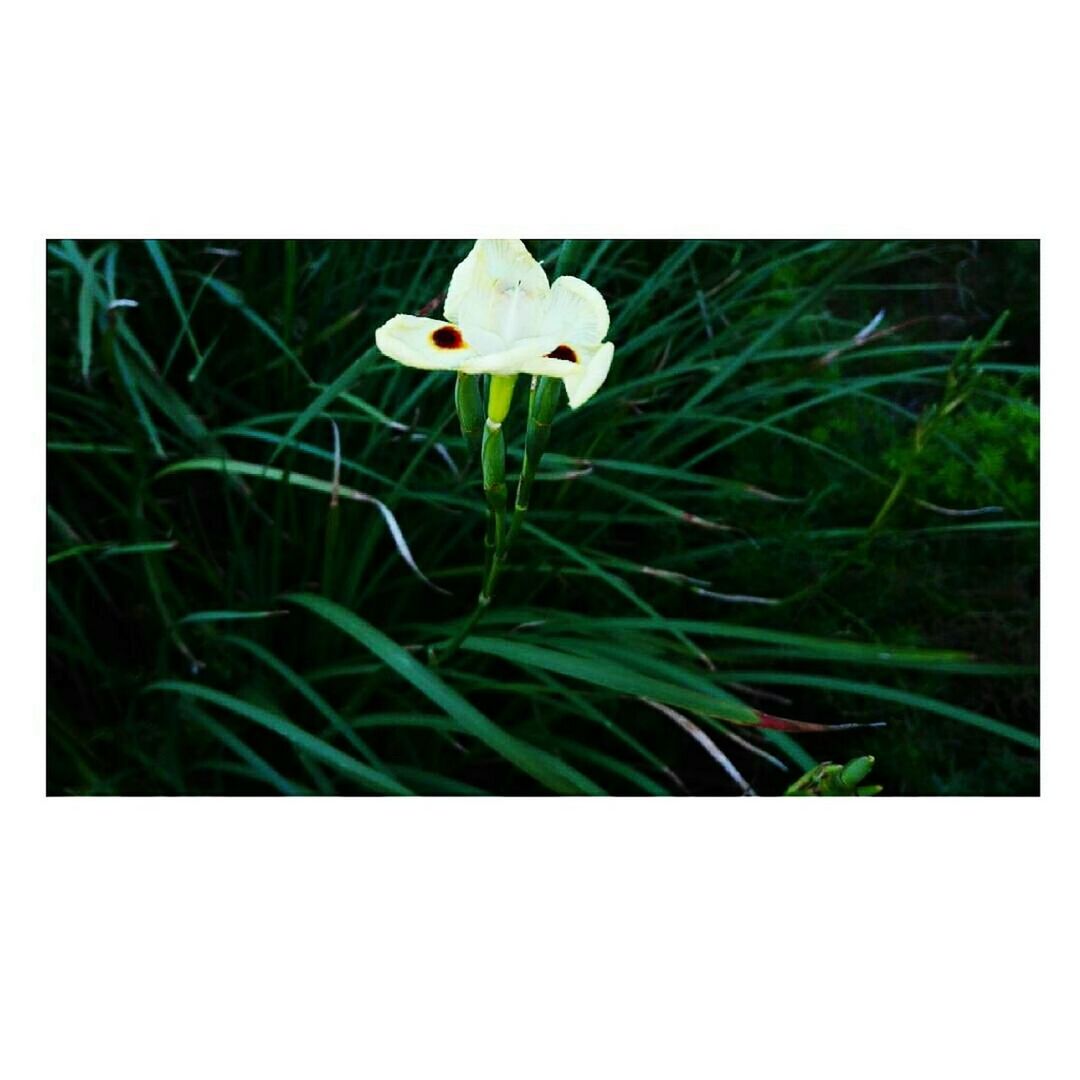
{"points": [[503, 319]]}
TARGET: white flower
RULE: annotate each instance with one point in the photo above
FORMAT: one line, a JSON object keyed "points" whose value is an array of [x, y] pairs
{"points": [[503, 318]]}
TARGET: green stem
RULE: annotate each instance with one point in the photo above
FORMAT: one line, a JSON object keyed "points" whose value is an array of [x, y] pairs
{"points": [[493, 462], [493, 459], [544, 404]]}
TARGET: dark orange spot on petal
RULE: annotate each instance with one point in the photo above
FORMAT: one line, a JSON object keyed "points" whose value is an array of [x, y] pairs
{"points": [[448, 337], [564, 352]]}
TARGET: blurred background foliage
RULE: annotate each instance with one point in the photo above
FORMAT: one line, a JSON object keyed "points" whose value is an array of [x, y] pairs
{"points": [[810, 485]]}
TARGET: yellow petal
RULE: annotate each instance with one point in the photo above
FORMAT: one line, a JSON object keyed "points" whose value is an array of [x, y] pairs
{"points": [[576, 313], [424, 343], [588, 374]]}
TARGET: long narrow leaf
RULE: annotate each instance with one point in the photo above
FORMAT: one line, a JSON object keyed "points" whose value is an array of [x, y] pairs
{"points": [[554, 774], [303, 741]]}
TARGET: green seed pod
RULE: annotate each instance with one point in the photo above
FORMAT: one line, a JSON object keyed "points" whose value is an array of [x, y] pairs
{"points": [[493, 459], [539, 431], [536, 439], [856, 771], [548, 397], [544, 399], [470, 408]]}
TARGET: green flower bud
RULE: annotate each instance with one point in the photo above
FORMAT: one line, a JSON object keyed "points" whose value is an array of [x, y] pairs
{"points": [[493, 460], [500, 394], [856, 771], [470, 408], [548, 397]]}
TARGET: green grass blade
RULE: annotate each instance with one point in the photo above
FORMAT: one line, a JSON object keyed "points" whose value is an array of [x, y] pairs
{"points": [[132, 387], [86, 317], [311, 483], [157, 255], [309, 693], [107, 548], [613, 765], [886, 693], [326, 397], [258, 765], [235, 299], [302, 741], [612, 676], [228, 616], [554, 774]]}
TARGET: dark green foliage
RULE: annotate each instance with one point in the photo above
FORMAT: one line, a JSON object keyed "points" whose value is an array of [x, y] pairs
{"points": [[762, 513]]}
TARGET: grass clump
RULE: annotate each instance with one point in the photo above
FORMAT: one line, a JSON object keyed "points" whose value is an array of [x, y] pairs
{"points": [[783, 512]]}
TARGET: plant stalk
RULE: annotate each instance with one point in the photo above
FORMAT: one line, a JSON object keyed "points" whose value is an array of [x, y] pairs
{"points": [[544, 398], [493, 463]]}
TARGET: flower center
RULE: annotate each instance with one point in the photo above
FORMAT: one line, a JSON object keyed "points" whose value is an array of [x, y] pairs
{"points": [[564, 352], [448, 337]]}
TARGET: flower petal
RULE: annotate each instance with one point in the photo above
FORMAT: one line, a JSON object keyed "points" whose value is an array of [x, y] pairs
{"points": [[424, 343], [589, 373], [461, 281], [497, 294], [528, 357], [441, 346], [503, 318], [576, 313], [499, 259]]}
